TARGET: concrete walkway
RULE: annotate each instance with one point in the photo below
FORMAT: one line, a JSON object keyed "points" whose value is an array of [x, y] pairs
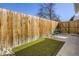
{"points": [[71, 46]]}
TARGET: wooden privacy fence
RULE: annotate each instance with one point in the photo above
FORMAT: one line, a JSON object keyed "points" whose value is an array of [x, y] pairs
{"points": [[17, 28], [69, 27]]}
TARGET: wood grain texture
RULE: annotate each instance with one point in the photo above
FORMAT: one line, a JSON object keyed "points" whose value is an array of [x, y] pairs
{"points": [[71, 27], [16, 28]]}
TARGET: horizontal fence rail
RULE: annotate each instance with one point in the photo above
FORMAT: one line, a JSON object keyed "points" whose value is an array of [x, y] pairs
{"points": [[17, 28], [69, 27]]}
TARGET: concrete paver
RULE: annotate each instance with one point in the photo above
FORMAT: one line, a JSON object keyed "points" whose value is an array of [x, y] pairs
{"points": [[71, 46]]}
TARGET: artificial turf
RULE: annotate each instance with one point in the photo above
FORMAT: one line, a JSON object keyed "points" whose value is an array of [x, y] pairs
{"points": [[39, 47]]}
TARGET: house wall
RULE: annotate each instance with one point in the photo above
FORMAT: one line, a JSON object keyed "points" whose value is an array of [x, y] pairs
{"points": [[76, 6]]}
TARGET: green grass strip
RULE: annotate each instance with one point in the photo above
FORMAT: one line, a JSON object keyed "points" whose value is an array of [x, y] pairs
{"points": [[39, 47], [18, 48]]}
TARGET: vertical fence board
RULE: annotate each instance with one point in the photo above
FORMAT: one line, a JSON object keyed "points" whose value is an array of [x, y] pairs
{"points": [[0, 30], [15, 37], [4, 28]]}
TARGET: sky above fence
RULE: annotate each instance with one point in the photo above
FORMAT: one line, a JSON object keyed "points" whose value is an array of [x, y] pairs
{"points": [[65, 11]]}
